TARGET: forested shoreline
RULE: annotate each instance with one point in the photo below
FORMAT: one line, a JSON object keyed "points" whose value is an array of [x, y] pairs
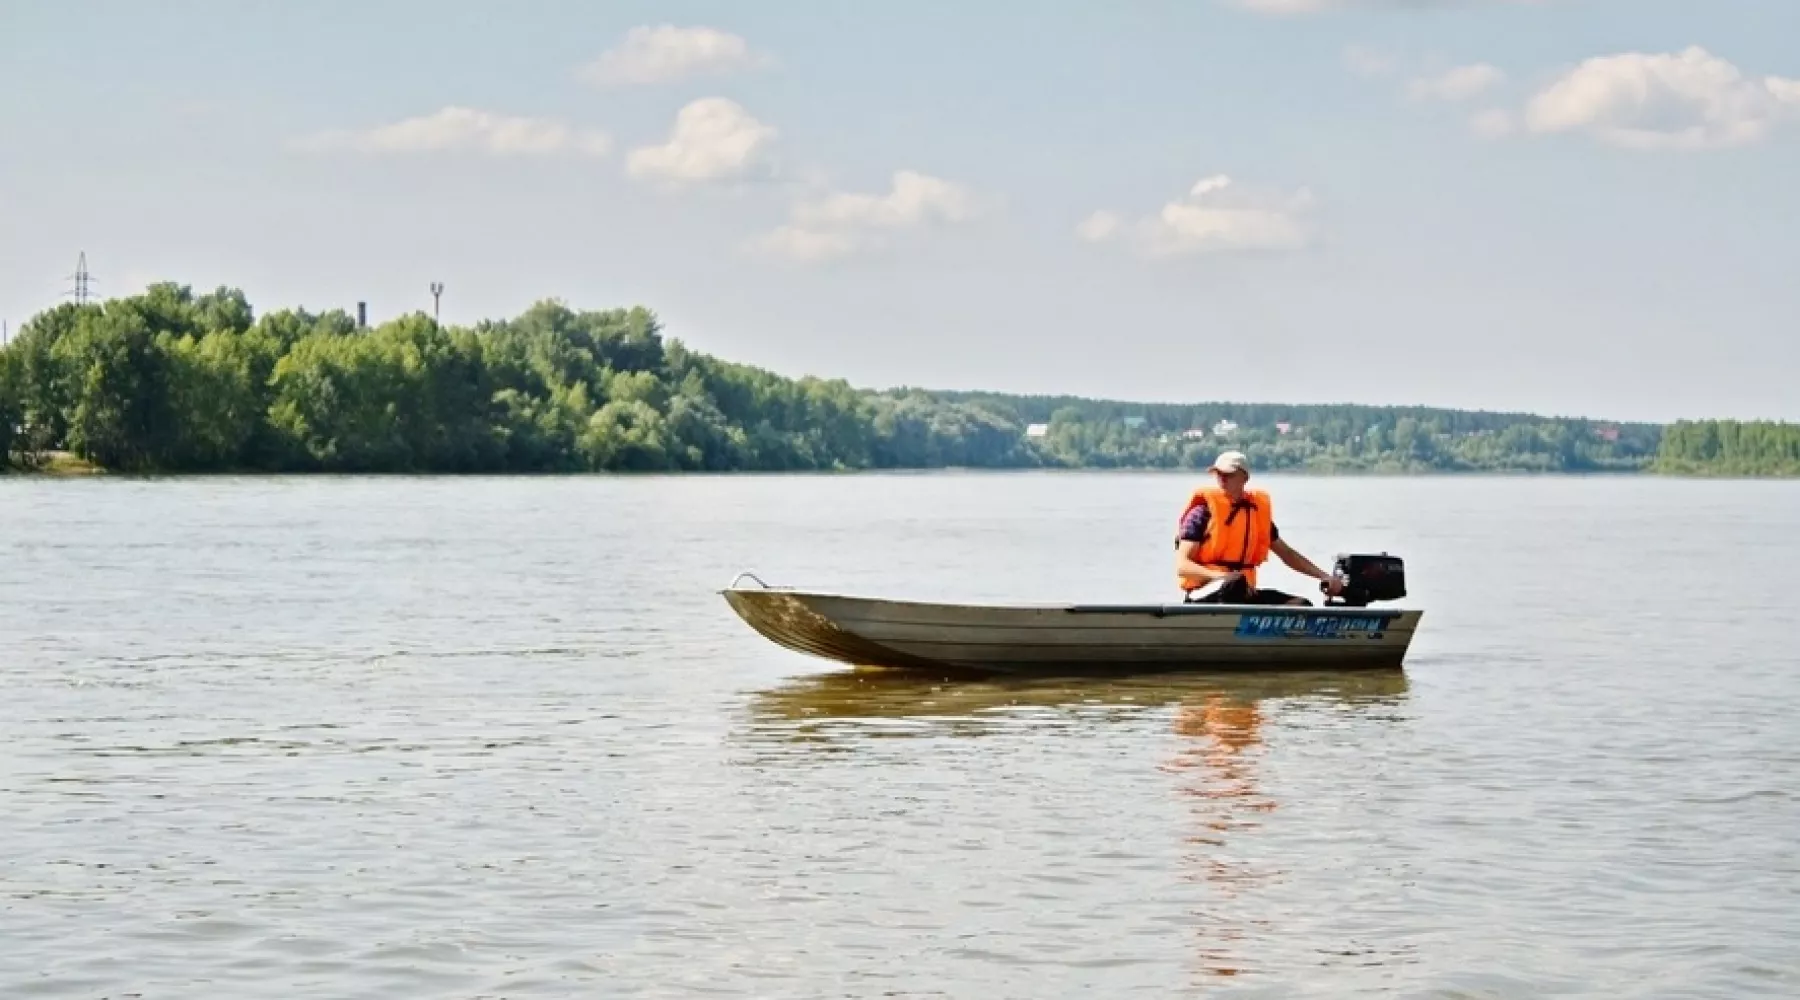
{"points": [[171, 381], [1729, 448]]}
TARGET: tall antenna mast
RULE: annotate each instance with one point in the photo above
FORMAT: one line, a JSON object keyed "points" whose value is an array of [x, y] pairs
{"points": [[437, 292]]}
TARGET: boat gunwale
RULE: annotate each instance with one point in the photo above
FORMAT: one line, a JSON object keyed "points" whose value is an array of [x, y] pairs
{"points": [[1134, 609]]}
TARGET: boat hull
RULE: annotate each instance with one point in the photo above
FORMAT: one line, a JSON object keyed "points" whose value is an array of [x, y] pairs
{"points": [[870, 632]]}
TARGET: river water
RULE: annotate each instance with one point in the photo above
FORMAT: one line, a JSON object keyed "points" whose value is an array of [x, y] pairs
{"points": [[338, 738]]}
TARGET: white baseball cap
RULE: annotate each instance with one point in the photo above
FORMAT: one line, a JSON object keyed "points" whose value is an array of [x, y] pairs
{"points": [[1231, 461]]}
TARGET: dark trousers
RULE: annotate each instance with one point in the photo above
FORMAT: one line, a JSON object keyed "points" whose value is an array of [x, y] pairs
{"points": [[1239, 592]]}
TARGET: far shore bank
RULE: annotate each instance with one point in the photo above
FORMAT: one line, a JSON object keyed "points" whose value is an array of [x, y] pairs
{"points": [[170, 382], [67, 466]]}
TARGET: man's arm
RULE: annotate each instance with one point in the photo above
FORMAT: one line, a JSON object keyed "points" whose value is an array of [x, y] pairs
{"points": [[1300, 564], [1186, 566]]}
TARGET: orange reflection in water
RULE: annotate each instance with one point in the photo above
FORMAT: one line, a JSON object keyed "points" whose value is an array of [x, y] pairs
{"points": [[1216, 771]]}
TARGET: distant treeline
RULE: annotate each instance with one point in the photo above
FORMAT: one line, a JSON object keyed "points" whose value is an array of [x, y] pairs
{"points": [[1730, 448], [1081, 432], [172, 381], [177, 382]]}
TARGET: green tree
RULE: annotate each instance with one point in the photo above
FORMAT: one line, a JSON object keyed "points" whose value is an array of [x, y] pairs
{"points": [[122, 416], [213, 388], [629, 436], [336, 406], [1730, 448], [12, 410]]}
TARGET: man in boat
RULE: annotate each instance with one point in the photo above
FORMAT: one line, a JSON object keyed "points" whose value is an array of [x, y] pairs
{"points": [[1228, 531]]}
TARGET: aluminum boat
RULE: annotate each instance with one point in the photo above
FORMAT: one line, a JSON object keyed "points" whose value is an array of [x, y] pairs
{"points": [[1071, 638]]}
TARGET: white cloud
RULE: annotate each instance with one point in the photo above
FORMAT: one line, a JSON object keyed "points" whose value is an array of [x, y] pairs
{"points": [[1100, 227], [1434, 84], [712, 139], [1686, 100], [844, 222], [458, 129], [913, 200], [1459, 84], [1216, 216], [665, 52]]}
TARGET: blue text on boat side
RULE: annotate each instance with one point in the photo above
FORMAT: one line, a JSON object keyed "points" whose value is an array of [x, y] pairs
{"points": [[1301, 625]]}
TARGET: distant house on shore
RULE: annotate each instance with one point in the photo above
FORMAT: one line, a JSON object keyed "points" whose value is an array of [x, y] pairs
{"points": [[1036, 430], [1193, 433], [1224, 428], [1607, 433], [1283, 427]]}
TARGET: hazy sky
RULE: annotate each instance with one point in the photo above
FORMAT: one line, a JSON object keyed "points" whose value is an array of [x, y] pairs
{"points": [[1572, 206]]}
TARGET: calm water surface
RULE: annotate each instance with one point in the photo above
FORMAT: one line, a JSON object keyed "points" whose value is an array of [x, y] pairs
{"points": [[501, 738]]}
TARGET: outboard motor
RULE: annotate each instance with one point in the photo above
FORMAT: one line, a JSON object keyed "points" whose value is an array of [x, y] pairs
{"points": [[1367, 579]]}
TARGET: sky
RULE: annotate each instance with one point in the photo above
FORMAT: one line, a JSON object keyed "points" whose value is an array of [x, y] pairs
{"points": [[1572, 207]]}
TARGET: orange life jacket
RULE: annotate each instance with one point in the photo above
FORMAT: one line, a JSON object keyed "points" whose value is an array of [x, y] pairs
{"points": [[1237, 533]]}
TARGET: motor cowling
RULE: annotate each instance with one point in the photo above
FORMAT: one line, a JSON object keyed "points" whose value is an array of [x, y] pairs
{"points": [[1369, 578]]}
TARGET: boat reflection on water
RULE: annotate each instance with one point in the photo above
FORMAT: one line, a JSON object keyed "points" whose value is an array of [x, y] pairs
{"points": [[841, 708], [1221, 724]]}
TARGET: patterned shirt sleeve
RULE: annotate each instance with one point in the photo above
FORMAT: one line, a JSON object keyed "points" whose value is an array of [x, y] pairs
{"points": [[1193, 526]]}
